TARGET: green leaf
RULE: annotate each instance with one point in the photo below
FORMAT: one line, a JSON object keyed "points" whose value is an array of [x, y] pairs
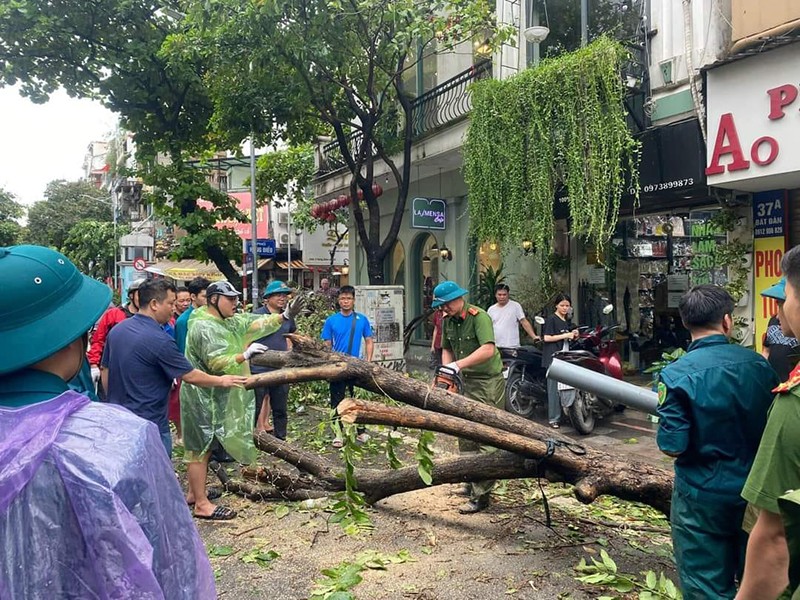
{"points": [[608, 562], [220, 551], [281, 510], [651, 580]]}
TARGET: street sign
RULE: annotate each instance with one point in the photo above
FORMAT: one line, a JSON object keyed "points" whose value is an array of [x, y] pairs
{"points": [[248, 261], [264, 247], [139, 264]]}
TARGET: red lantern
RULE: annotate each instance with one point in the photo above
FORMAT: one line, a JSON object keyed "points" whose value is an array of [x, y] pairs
{"points": [[377, 190], [341, 201], [330, 218], [315, 211], [330, 205], [360, 194], [347, 200]]}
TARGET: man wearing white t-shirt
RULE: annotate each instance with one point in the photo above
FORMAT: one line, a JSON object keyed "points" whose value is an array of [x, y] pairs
{"points": [[507, 315]]}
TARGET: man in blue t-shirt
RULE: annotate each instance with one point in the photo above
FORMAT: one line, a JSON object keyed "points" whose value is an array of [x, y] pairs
{"points": [[343, 332], [140, 360], [275, 397]]}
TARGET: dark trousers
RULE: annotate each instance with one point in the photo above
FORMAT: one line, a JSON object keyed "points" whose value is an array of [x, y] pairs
{"points": [[709, 544], [278, 398], [338, 390]]}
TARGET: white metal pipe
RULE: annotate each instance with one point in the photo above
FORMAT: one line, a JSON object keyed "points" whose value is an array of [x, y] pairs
{"points": [[604, 386]]}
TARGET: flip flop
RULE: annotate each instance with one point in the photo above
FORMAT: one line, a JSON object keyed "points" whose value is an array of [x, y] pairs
{"points": [[221, 513], [212, 494]]}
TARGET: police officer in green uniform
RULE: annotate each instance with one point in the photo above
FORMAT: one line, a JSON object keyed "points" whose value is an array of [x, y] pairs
{"points": [[468, 348], [773, 551], [713, 406]]}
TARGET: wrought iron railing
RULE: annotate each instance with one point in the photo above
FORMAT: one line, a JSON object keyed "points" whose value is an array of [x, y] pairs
{"points": [[443, 105]]}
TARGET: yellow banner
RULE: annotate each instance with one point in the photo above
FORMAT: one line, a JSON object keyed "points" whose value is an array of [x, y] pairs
{"points": [[767, 255]]}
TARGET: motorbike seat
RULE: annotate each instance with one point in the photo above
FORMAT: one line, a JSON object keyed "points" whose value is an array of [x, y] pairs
{"points": [[574, 355]]}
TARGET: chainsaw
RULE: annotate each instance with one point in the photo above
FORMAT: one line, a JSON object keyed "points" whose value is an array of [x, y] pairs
{"points": [[447, 378]]}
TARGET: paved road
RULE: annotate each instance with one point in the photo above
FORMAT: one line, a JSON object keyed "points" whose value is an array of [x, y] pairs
{"points": [[631, 433]]}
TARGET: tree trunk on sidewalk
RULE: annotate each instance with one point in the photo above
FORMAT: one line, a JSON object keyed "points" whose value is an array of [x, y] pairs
{"points": [[591, 471]]}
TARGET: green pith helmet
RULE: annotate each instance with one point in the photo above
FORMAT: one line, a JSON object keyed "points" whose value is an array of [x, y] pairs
{"points": [[446, 291], [277, 287], [45, 305]]}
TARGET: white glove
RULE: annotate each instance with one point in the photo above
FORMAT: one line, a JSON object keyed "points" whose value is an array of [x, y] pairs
{"points": [[95, 373], [254, 348], [453, 366]]}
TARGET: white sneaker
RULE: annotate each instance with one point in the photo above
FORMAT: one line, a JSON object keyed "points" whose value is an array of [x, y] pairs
{"points": [[362, 438]]}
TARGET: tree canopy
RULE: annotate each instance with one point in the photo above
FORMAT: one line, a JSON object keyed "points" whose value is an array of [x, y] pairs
{"points": [[66, 203], [10, 211], [342, 64], [92, 246]]}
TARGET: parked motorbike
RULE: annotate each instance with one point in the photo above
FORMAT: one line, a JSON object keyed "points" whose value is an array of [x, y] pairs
{"points": [[526, 384], [596, 350]]}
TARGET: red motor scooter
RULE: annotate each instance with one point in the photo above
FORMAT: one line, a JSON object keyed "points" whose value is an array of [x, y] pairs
{"points": [[596, 350]]}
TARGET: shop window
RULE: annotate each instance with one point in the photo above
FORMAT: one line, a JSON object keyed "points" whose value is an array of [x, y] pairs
{"points": [[419, 78], [489, 255], [659, 257], [426, 277], [397, 275], [621, 20]]}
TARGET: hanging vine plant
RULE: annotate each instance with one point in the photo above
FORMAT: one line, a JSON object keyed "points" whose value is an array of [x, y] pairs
{"points": [[559, 124]]}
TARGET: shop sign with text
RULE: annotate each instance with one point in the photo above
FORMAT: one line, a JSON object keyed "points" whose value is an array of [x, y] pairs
{"points": [[769, 246], [428, 213], [754, 122]]}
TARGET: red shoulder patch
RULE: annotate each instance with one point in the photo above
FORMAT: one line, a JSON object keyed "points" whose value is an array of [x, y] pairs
{"points": [[473, 311], [793, 381]]}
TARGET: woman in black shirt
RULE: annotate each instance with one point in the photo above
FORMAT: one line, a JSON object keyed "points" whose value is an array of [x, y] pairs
{"points": [[557, 332]]}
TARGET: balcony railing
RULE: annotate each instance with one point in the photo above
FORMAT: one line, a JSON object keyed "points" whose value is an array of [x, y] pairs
{"points": [[441, 106]]}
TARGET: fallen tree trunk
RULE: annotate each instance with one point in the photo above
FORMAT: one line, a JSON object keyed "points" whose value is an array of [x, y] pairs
{"points": [[593, 473], [377, 484]]}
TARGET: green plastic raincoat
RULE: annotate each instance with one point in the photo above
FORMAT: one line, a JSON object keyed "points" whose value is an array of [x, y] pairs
{"points": [[225, 413]]}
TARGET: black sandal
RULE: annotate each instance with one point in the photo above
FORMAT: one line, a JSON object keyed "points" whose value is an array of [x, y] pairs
{"points": [[221, 513], [212, 494]]}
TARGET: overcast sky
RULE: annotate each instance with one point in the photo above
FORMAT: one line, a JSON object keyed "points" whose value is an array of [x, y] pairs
{"points": [[43, 142]]}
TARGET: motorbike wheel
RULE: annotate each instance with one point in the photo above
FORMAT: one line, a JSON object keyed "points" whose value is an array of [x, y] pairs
{"points": [[581, 413], [516, 403]]}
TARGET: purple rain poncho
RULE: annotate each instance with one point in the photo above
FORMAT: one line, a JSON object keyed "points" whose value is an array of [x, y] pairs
{"points": [[90, 508]]}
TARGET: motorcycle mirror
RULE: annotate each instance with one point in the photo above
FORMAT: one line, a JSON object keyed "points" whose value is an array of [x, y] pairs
{"points": [[608, 309], [539, 320]]}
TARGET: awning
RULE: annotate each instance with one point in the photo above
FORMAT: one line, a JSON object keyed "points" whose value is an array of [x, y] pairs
{"points": [[296, 264], [182, 270]]}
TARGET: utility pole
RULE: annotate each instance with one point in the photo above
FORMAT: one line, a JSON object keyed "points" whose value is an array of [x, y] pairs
{"points": [[584, 22], [253, 223], [116, 241]]}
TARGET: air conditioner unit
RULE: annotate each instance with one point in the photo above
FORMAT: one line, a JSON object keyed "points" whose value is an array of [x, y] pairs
{"points": [[284, 239], [283, 218]]}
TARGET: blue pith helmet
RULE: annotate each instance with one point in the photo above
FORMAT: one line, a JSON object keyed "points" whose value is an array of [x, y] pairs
{"points": [[777, 291], [46, 304], [446, 291], [277, 287]]}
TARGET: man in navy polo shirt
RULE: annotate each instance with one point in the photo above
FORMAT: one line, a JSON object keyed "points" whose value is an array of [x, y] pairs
{"points": [[141, 360], [343, 332], [275, 397]]}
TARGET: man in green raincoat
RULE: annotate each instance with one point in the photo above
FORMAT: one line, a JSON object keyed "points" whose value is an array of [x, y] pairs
{"points": [[220, 342]]}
